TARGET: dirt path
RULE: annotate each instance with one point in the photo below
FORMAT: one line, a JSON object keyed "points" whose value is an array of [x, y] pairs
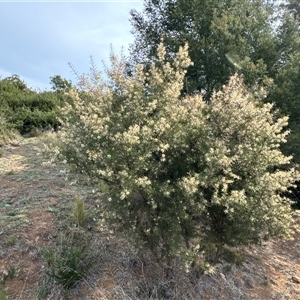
{"points": [[31, 196]]}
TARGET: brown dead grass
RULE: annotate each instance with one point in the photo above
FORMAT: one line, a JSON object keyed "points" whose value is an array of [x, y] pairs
{"points": [[35, 203]]}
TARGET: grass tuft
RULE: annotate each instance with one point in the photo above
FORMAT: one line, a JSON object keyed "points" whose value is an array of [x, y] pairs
{"points": [[67, 263], [11, 241], [79, 212]]}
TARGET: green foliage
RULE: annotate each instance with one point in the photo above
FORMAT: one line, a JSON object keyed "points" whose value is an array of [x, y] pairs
{"points": [[26, 111], [286, 92], [37, 110], [11, 272], [13, 82], [186, 177]]}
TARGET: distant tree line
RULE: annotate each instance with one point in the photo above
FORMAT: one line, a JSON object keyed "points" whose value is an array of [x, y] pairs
{"points": [[28, 111]]}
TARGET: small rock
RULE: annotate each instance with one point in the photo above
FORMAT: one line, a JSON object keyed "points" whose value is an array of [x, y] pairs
{"points": [[296, 279]]}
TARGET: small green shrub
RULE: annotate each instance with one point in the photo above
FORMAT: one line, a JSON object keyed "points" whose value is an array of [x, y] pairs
{"points": [[3, 295], [68, 270], [79, 212], [11, 240], [67, 263], [10, 273], [13, 213]]}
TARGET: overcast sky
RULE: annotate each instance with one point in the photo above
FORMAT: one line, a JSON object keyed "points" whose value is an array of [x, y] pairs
{"points": [[39, 38]]}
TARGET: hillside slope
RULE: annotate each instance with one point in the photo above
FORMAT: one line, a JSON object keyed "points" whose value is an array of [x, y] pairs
{"points": [[35, 208]]}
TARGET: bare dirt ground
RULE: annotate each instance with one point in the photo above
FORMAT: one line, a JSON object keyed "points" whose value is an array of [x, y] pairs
{"points": [[35, 208]]}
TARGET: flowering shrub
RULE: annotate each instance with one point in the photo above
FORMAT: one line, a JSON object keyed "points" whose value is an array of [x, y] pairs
{"points": [[184, 175]]}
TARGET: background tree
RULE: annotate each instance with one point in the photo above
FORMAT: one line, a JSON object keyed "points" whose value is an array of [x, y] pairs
{"points": [[286, 91], [185, 177], [293, 7], [223, 36], [60, 84], [10, 89], [26, 110], [13, 82]]}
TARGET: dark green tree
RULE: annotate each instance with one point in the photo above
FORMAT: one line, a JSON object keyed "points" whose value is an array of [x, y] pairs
{"points": [[13, 82], [60, 84], [223, 36], [286, 92], [24, 109], [294, 8]]}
